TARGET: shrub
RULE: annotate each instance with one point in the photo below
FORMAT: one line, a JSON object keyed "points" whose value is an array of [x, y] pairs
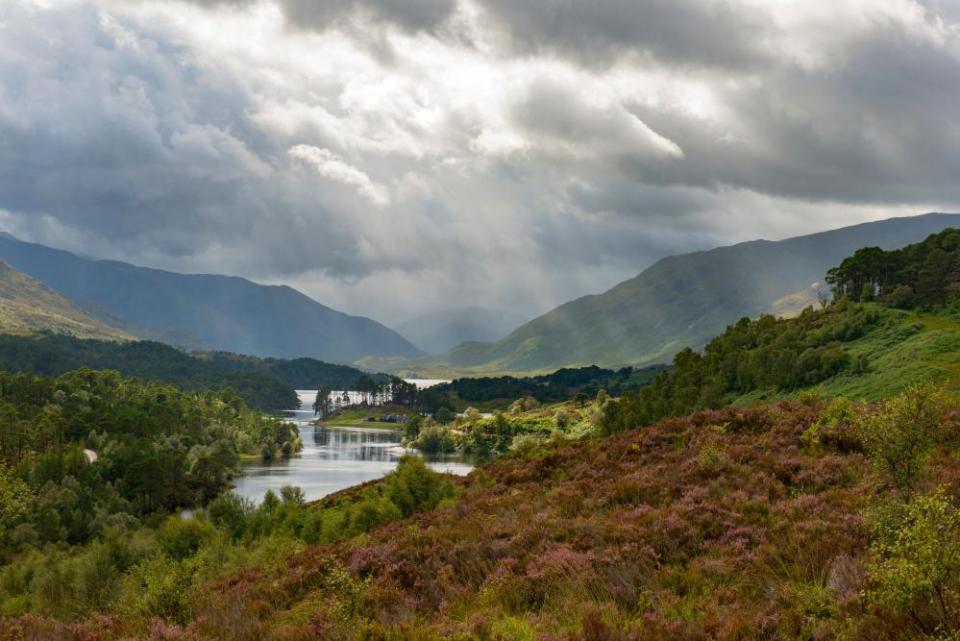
{"points": [[712, 459], [902, 297], [181, 538], [230, 512], [900, 437], [435, 439], [914, 569], [414, 487]]}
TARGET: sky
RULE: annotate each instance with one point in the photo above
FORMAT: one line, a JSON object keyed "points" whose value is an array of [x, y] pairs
{"points": [[392, 157]]}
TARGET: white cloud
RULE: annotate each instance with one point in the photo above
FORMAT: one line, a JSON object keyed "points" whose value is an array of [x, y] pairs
{"points": [[387, 156], [329, 165]]}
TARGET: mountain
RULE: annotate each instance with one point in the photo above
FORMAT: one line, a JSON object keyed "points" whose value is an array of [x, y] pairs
{"points": [[683, 301], [439, 332], [27, 306], [206, 311]]}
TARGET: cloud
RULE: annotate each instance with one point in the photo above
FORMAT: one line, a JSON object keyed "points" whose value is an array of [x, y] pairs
{"points": [[709, 33], [392, 157], [319, 15], [331, 166]]}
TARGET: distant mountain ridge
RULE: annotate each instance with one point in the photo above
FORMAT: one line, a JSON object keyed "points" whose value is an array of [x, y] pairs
{"points": [[27, 306], [441, 331], [681, 301], [206, 311]]}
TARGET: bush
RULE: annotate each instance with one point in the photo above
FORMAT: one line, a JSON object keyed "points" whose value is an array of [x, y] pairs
{"points": [[181, 538], [230, 512], [435, 439], [902, 297], [900, 437], [414, 487], [914, 569], [712, 459]]}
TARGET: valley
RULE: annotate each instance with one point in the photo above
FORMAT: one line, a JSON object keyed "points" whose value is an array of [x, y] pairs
{"points": [[752, 485], [479, 320]]}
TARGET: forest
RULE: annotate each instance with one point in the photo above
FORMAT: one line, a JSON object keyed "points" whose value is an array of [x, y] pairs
{"points": [[56, 354], [91, 451], [925, 274], [298, 373], [764, 354], [150, 567], [497, 393]]}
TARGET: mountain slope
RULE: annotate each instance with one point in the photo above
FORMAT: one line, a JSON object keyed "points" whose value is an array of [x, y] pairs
{"points": [[28, 306], [683, 300], [215, 312], [438, 332]]}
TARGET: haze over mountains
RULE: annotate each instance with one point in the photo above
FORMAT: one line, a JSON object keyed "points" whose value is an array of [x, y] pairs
{"points": [[680, 301], [205, 311], [438, 332]]}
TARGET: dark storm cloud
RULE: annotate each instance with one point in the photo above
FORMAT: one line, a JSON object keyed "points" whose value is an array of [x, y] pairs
{"points": [[521, 151], [140, 145], [877, 125], [699, 32], [411, 15]]}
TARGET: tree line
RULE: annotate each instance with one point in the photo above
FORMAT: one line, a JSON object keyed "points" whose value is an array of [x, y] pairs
{"points": [[925, 274], [56, 354], [90, 450]]}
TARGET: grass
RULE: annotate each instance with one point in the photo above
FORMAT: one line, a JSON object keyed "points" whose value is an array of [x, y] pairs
{"points": [[358, 416], [27, 307], [903, 348]]}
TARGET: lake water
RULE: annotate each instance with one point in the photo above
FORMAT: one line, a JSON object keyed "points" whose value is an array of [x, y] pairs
{"points": [[333, 458]]}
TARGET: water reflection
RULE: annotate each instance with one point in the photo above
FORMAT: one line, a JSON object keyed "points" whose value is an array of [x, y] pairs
{"points": [[333, 458]]}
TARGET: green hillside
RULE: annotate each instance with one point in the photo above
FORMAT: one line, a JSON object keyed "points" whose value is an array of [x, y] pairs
{"points": [[681, 301], [854, 347], [28, 306]]}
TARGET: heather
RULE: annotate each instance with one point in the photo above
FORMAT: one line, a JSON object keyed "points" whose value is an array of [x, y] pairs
{"points": [[780, 521], [152, 570]]}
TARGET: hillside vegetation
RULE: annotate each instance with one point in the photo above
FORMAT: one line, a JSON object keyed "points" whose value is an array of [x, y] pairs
{"points": [[724, 525], [299, 373], [55, 355], [27, 306], [681, 301], [867, 351]]}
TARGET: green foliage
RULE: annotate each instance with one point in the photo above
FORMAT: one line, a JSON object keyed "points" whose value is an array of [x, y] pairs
{"points": [[150, 572], [413, 487], [434, 439], [152, 449], [561, 385], [14, 499], [914, 563], [900, 437], [922, 274], [762, 355], [181, 538], [57, 354], [838, 413]]}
